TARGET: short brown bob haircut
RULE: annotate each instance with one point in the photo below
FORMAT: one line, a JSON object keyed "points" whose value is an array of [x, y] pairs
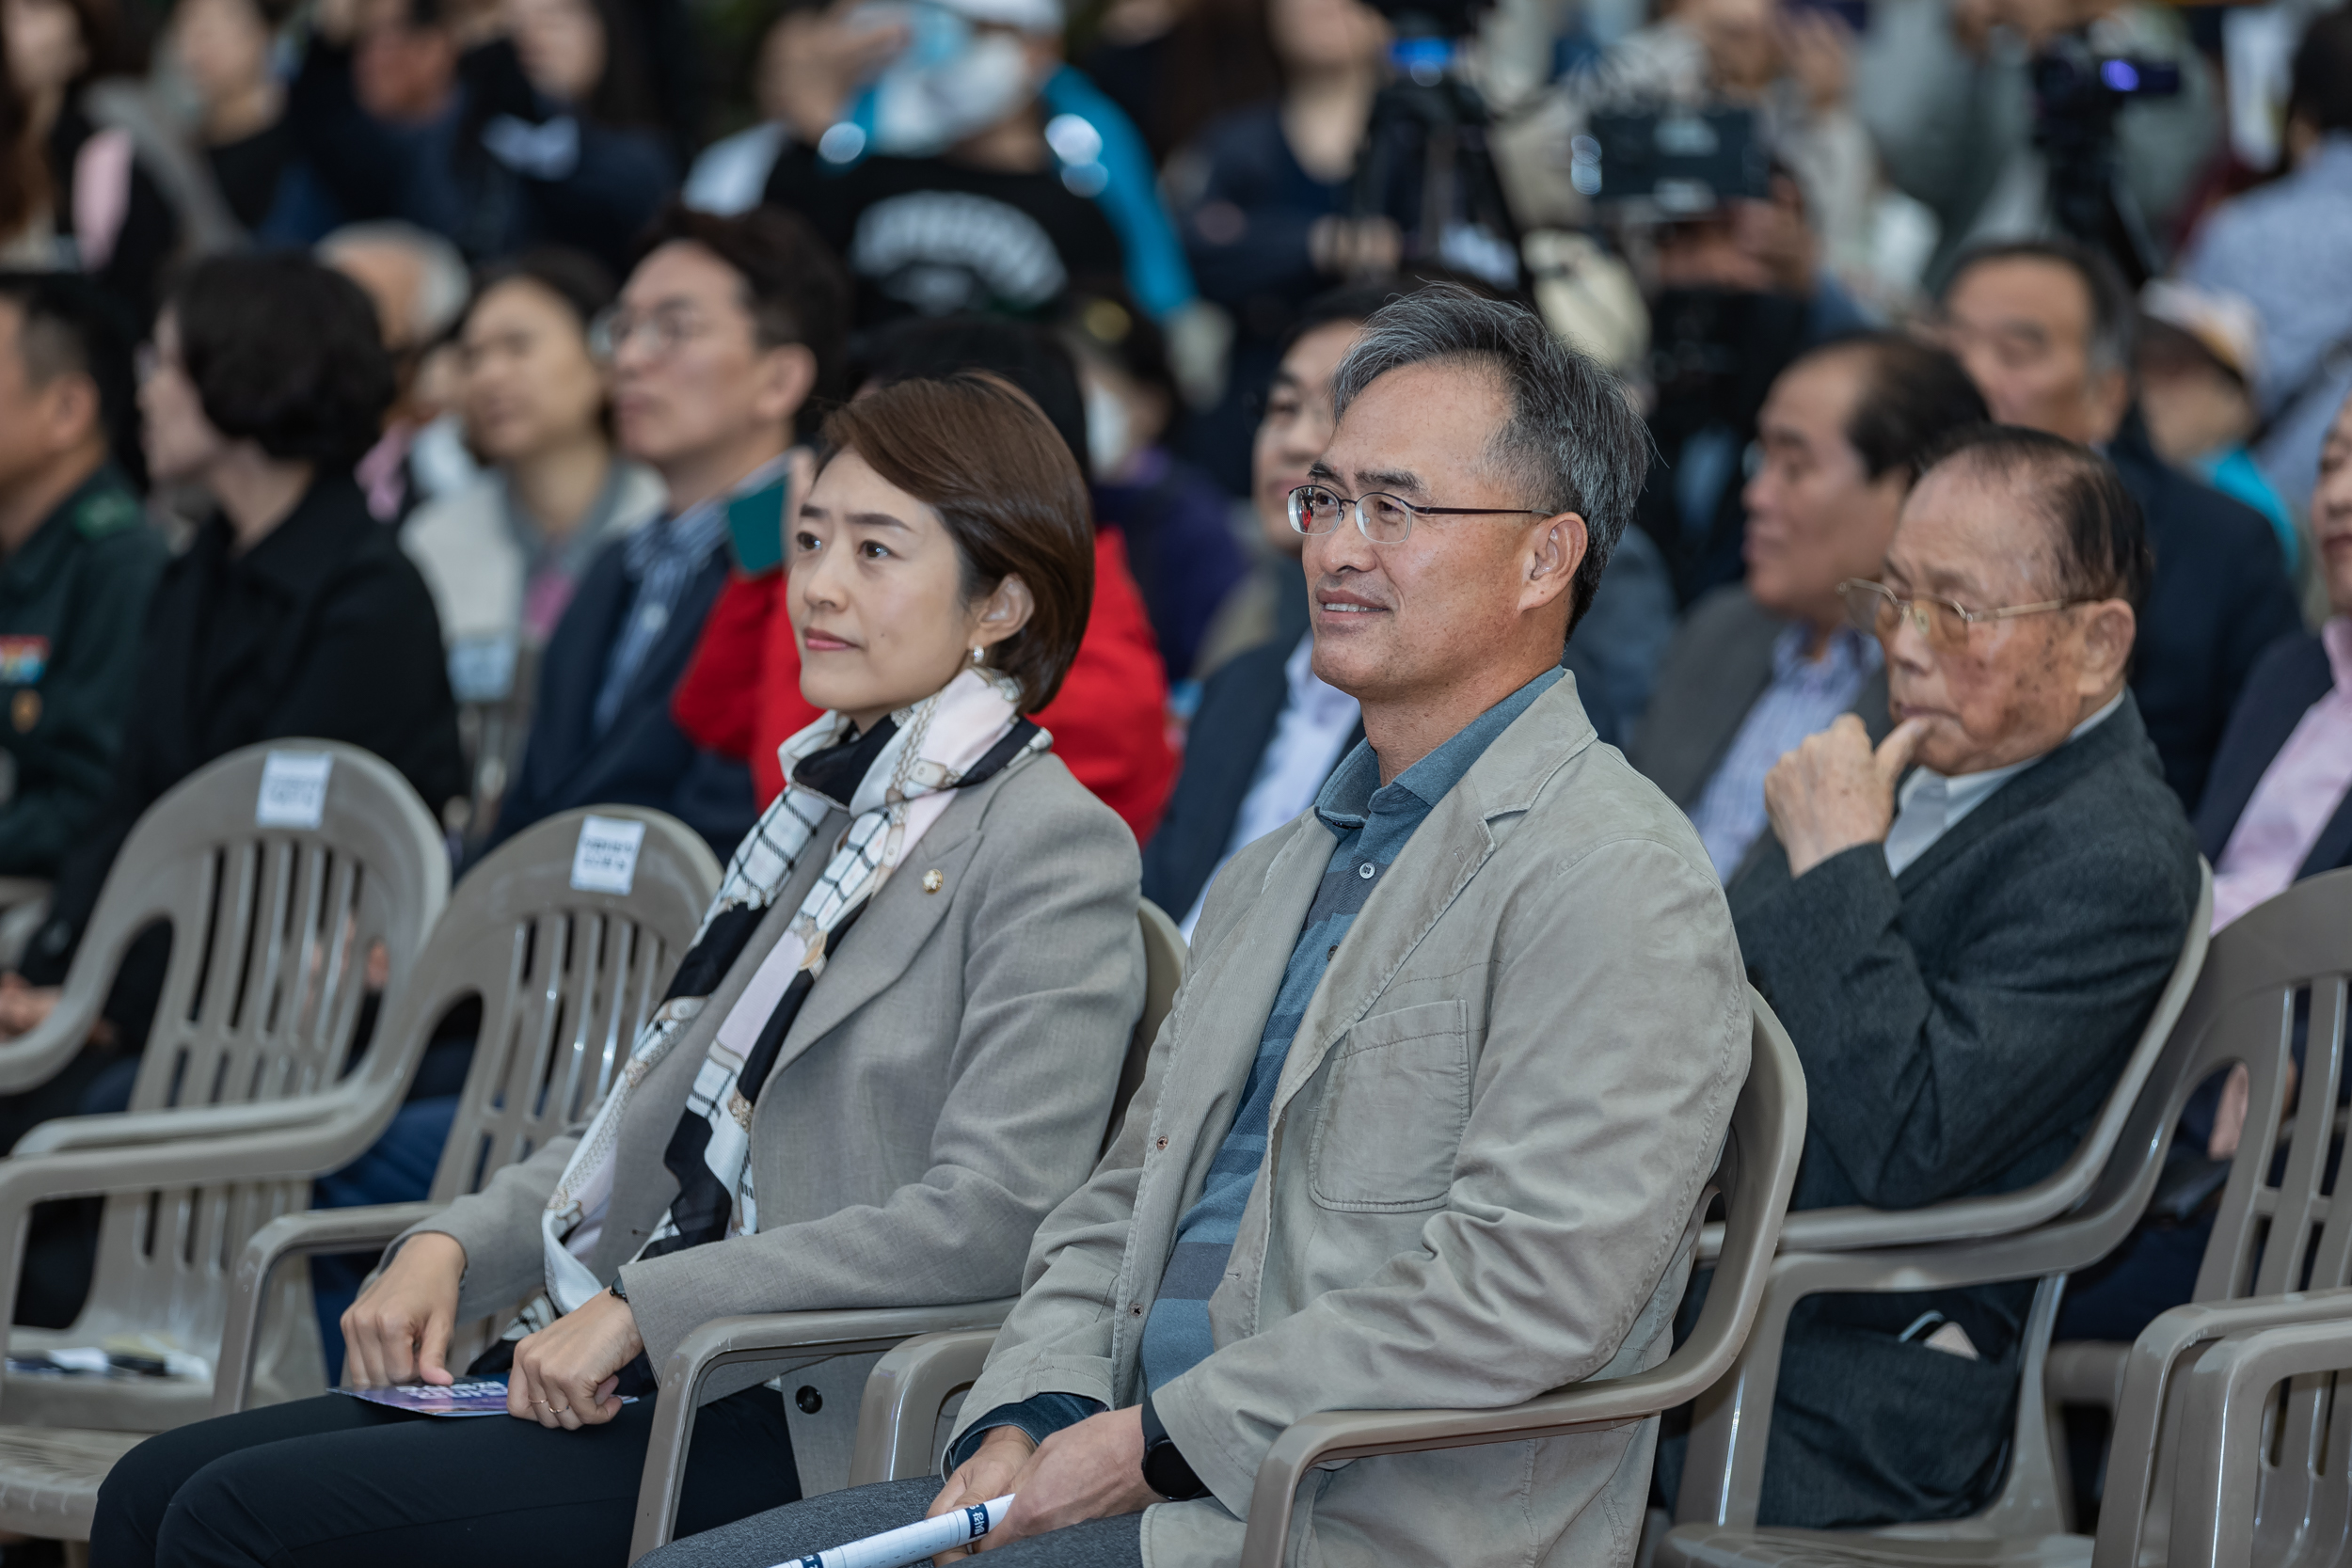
{"points": [[976, 451]]}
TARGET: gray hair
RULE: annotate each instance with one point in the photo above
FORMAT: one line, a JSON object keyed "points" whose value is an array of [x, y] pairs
{"points": [[443, 284], [1573, 442]]}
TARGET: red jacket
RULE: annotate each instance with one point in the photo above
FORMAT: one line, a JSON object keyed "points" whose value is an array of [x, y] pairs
{"points": [[742, 694]]}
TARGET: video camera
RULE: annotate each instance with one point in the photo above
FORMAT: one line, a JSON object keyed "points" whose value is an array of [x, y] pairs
{"points": [[2078, 90]]}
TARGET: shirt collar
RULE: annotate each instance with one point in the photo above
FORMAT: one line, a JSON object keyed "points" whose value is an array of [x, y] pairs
{"points": [[697, 530], [1963, 791], [2336, 637], [1354, 791]]}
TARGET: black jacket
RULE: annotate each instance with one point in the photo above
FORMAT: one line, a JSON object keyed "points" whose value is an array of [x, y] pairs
{"points": [[2221, 597], [322, 630], [2292, 675], [1960, 1026], [645, 759]]}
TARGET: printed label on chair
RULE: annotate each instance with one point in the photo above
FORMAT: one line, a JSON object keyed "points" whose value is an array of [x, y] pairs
{"points": [[605, 860], [294, 790]]}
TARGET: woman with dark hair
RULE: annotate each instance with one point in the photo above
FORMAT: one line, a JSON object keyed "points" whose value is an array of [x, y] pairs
{"points": [[892, 1048], [501, 556], [293, 613]]}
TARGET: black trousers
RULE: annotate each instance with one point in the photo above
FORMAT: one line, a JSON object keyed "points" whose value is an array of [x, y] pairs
{"points": [[337, 1483]]}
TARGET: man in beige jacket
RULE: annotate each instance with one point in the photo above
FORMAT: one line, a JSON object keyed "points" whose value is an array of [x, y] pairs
{"points": [[1426, 1148]]}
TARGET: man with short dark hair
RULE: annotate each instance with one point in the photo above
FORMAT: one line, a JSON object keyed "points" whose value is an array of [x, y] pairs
{"points": [[721, 337], [2045, 328], [77, 560], [1963, 950], [1450, 1067], [1758, 665]]}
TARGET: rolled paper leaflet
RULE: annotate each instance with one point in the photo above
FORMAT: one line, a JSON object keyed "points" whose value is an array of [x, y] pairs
{"points": [[911, 1544]]}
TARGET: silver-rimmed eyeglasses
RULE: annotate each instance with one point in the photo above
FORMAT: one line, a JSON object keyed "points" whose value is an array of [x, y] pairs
{"points": [[1877, 611], [1384, 519]]}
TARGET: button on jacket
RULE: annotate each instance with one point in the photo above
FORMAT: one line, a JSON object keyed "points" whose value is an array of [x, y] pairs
{"points": [[1482, 1156], [73, 602]]}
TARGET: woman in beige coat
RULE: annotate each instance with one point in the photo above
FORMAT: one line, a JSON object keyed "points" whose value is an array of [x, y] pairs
{"points": [[817, 1115]]}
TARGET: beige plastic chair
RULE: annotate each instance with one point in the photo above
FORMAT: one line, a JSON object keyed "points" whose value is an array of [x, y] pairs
{"points": [[23, 905], [907, 1398], [272, 929], [829, 1355], [2242, 1010], [566, 975]]}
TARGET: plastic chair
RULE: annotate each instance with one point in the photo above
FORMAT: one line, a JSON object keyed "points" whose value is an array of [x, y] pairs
{"points": [[911, 1386], [586, 958], [829, 1355], [23, 905], [272, 929], [2242, 1011], [566, 976]]}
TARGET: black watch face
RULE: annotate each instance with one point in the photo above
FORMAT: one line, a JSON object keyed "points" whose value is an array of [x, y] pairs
{"points": [[1165, 1472]]}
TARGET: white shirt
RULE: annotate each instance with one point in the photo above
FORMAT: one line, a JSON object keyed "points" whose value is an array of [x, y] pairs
{"points": [[1315, 723], [1929, 804]]}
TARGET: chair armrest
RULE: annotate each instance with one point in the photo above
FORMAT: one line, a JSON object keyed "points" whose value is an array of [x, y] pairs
{"points": [[2086, 1373], [1334, 1435], [2222, 1442], [904, 1394], [320, 1231], [122, 1128], [772, 1337]]}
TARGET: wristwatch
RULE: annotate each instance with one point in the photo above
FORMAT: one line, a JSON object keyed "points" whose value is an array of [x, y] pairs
{"points": [[619, 1292], [1164, 1470]]}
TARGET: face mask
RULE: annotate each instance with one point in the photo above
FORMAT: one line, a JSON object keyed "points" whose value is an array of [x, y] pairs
{"points": [[1109, 442], [951, 82]]}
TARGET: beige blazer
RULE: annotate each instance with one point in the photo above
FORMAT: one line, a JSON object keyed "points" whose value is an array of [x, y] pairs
{"points": [[1486, 1148], [946, 1084]]}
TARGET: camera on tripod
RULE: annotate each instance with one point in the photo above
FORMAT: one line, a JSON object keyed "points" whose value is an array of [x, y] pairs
{"points": [[2078, 90]]}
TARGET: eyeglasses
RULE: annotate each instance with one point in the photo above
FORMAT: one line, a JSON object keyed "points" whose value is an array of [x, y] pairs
{"points": [[1381, 519], [666, 331], [1877, 610]]}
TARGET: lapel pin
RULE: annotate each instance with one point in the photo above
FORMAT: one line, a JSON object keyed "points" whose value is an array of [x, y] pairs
{"points": [[932, 880]]}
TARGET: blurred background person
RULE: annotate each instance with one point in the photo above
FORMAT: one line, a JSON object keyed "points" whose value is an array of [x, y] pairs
{"points": [[1175, 64], [78, 561], [2286, 247], [2045, 329], [418, 284], [27, 233], [1176, 522], [223, 50], [293, 613], [2198, 360], [103, 203], [503, 555]]}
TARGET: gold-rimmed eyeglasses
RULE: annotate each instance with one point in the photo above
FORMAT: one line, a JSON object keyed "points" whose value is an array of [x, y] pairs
{"points": [[1384, 519], [1877, 610]]}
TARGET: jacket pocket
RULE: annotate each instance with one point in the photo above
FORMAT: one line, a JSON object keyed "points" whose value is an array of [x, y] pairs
{"points": [[1395, 1106]]}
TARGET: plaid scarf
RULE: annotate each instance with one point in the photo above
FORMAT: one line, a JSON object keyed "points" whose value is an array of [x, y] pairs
{"points": [[902, 776]]}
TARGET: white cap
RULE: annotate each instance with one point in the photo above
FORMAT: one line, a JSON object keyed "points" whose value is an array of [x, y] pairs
{"points": [[2224, 325]]}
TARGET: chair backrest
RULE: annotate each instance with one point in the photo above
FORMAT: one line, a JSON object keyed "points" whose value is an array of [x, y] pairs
{"points": [[280, 870], [2278, 976], [1165, 954], [568, 937]]}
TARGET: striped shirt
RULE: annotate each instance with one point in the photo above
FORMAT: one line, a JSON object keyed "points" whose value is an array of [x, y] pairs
{"points": [[1373, 823], [1805, 697]]}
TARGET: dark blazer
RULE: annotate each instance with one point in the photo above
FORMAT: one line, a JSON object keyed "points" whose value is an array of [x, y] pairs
{"points": [[1240, 705], [2292, 675], [1717, 666], [645, 759], [2219, 597], [1960, 1026], [322, 629]]}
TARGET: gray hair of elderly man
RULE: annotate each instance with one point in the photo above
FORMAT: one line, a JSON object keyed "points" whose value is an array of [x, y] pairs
{"points": [[1572, 442], [443, 283]]}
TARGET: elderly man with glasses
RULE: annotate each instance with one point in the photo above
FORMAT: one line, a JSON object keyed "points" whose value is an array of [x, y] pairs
{"points": [[1450, 1067], [1964, 929]]}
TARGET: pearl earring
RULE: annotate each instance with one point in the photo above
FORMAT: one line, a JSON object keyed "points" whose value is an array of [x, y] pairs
{"points": [[980, 657]]}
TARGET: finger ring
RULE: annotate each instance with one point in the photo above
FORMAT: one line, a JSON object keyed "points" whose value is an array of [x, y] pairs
{"points": [[561, 1409], [542, 1404]]}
